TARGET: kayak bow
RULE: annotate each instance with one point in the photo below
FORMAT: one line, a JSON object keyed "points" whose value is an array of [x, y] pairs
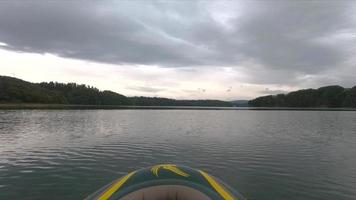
{"points": [[166, 182]]}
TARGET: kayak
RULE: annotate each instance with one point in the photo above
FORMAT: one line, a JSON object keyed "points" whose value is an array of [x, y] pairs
{"points": [[166, 182]]}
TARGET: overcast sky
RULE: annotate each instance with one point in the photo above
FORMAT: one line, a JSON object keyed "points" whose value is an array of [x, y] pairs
{"points": [[181, 49]]}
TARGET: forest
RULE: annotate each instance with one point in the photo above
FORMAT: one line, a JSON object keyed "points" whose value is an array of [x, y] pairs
{"points": [[328, 97], [13, 90]]}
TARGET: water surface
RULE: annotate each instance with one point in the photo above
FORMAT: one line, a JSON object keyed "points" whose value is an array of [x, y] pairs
{"points": [[266, 155]]}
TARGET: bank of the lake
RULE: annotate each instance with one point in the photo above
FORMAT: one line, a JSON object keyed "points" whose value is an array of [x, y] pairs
{"points": [[29, 106]]}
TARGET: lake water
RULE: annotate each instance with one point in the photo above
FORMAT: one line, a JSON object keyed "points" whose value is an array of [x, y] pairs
{"points": [[265, 155]]}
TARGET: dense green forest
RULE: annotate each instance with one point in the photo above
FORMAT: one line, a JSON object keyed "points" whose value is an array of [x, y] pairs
{"points": [[330, 96], [13, 90]]}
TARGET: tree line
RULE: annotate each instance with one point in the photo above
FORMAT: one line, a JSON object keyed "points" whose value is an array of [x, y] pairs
{"points": [[13, 90], [329, 96]]}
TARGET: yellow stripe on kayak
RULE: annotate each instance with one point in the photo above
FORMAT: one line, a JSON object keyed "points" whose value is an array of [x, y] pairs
{"points": [[109, 192], [170, 167], [217, 186]]}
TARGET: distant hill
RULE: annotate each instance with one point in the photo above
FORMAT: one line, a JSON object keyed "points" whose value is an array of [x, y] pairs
{"points": [[240, 103], [329, 96], [13, 90], [85, 95], [154, 101]]}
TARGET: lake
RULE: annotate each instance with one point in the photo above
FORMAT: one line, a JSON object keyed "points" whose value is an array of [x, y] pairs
{"points": [[265, 155]]}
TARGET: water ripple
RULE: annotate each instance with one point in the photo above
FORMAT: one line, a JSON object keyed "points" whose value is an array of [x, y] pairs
{"points": [[265, 155]]}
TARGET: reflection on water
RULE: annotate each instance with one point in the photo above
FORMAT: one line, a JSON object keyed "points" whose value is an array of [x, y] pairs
{"points": [[267, 155]]}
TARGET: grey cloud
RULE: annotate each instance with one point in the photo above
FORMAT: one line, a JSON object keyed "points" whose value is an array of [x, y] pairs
{"points": [[283, 35], [91, 32], [279, 36], [273, 92], [196, 91], [146, 89]]}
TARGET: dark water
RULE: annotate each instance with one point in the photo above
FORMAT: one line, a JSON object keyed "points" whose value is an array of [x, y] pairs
{"points": [[266, 155]]}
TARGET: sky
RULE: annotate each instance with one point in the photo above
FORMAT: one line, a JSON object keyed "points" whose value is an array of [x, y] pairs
{"points": [[223, 50]]}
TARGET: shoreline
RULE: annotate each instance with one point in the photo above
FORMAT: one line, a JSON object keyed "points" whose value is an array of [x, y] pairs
{"points": [[26, 106]]}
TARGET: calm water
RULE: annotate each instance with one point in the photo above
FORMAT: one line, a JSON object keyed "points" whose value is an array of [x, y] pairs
{"points": [[266, 155]]}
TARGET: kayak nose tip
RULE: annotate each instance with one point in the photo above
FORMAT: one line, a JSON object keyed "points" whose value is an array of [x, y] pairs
{"points": [[164, 180]]}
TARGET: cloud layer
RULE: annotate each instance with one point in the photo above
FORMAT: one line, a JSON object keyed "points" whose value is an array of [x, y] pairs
{"points": [[296, 43]]}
